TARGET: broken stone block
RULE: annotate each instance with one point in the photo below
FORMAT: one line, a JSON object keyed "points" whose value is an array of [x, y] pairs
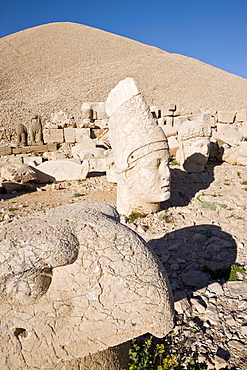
{"points": [[243, 131], [168, 110], [229, 135], [230, 155], [33, 161], [5, 151], [155, 112], [17, 173], [61, 170], [81, 134], [169, 131], [241, 115], [85, 146], [99, 111], [97, 164], [173, 145], [55, 135], [69, 134], [242, 154], [226, 116]]}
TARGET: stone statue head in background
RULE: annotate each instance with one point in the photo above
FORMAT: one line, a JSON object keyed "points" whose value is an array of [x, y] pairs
{"points": [[194, 141], [21, 133], [35, 130], [140, 151]]}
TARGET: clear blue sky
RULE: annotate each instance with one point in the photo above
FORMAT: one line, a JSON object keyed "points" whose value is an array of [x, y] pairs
{"points": [[213, 31]]}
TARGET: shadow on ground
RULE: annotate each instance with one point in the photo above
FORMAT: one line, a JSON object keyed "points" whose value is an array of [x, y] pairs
{"points": [[185, 185], [195, 256]]}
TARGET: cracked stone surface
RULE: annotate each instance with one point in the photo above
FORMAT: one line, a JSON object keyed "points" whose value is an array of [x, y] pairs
{"points": [[75, 281]]}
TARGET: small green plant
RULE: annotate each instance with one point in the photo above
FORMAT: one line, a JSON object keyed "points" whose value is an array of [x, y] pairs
{"points": [[173, 162], [148, 356], [165, 217], [38, 154], [11, 209], [244, 182], [77, 195], [238, 173], [228, 273], [213, 205], [135, 215], [194, 365]]}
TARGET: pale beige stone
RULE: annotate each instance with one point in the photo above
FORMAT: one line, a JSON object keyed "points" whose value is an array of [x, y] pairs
{"points": [[61, 170], [242, 154], [229, 135], [243, 132], [60, 118], [76, 281], [69, 134], [81, 133], [226, 116], [173, 145], [168, 110], [55, 135], [99, 110], [194, 142], [169, 131], [85, 146], [17, 172], [241, 115], [140, 151], [230, 155]]}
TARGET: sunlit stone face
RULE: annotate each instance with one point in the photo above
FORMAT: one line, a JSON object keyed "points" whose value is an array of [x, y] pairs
{"points": [[149, 180], [194, 142]]}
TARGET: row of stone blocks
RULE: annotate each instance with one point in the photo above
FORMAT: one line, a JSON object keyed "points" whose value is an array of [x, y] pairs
{"points": [[28, 149], [68, 135]]}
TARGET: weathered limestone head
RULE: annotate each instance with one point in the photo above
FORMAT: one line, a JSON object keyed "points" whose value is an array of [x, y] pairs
{"points": [[74, 281], [194, 141], [140, 151]]}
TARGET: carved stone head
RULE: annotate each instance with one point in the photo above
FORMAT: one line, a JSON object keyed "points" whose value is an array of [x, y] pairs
{"points": [[140, 151], [194, 141]]}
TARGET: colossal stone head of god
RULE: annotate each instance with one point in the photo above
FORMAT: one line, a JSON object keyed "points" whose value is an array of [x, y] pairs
{"points": [[140, 151], [194, 141]]}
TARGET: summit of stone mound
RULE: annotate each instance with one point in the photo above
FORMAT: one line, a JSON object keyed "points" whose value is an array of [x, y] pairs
{"points": [[61, 65]]}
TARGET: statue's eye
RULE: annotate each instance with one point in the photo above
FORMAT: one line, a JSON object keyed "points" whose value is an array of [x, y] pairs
{"points": [[132, 156]]}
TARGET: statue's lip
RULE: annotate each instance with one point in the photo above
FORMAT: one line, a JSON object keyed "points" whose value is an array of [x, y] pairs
{"points": [[165, 186]]}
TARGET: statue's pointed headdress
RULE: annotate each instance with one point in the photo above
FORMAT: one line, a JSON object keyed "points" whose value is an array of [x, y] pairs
{"points": [[133, 133]]}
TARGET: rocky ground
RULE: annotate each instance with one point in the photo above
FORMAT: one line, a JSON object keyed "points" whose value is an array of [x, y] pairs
{"points": [[198, 235]]}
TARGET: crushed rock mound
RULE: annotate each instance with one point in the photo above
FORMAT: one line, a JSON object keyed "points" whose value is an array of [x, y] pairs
{"points": [[61, 65]]}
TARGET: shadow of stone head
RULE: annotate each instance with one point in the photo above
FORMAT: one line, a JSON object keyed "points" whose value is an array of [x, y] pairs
{"points": [[184, 185], [196, 256]]}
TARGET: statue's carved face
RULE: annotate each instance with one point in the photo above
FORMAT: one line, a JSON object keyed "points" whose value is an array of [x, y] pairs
{"points": [[150, 178], [196, 150]]}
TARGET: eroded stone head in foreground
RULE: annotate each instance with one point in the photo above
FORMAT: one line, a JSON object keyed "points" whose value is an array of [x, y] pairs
{"points": [[74, 281]]}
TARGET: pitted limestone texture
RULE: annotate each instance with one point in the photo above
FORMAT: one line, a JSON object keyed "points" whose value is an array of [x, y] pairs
{"points": [[80, 282]]}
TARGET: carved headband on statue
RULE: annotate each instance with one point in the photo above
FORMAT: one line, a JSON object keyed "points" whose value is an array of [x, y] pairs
{"points": [[144, 150]]}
